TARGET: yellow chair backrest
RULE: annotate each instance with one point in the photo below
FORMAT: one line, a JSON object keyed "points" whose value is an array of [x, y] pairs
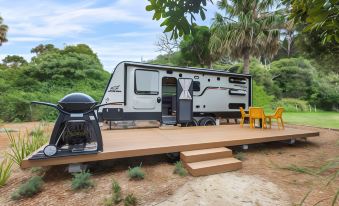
{"points": [[278, 112], [242, 111], [256, 112]]}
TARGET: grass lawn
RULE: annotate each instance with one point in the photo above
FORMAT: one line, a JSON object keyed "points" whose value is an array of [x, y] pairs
{"points": [[319, 119]]}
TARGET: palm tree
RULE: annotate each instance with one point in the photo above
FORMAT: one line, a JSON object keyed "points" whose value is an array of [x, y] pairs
{"points": [[3, 31], [248, 29]]}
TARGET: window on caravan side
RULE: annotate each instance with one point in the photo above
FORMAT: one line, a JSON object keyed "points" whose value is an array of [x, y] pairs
{"points": [[146, 82]]}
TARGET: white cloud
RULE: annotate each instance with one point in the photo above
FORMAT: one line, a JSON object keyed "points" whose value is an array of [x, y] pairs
{"points": [[46, 18], [27, 39]]}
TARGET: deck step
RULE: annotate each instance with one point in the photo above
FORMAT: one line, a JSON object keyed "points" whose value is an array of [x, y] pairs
{"points": [[214, 166], [205, 154]]}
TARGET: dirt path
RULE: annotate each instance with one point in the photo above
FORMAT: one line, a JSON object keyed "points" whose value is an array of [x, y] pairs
{"points": [[228, 189]]}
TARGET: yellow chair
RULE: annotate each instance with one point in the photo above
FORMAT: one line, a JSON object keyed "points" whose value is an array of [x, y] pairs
{"points": [[257, 113], [243, 116], [278, 116]]}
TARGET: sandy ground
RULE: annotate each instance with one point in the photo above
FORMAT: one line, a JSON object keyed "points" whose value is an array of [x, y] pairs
{"points": [[261, 181], [228, 189]]}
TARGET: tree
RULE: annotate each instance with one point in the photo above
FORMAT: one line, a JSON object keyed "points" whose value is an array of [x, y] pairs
{"points": [[14, 61], [41, 48], [178, 15], [167, 45], [320, 15], [195, 47], [3, 32], [249, 29]]}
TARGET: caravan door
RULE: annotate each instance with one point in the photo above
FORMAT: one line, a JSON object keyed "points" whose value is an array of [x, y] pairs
{"points": [[184, 100]]}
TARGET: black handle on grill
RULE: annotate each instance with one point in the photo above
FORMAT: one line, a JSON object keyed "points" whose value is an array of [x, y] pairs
{"points": [[63, 111], [100, 105], [51, 105]]}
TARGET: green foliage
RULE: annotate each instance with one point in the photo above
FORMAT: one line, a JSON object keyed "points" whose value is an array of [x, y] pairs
{"points": [[130, 200], [82, 180], [14, 61], [116, 197], [326, 91], [174, 59], [22, 146], [3, 31], [292, 105], [180, 169], [49, 76], [28, 189], [136, 173], [195, 47], [260, 97], [176, 14], [317, 15], [5, 171], [245, 32], [294, 77]]}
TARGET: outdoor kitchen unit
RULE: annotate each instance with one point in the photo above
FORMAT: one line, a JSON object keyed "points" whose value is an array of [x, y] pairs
{"points": [[76, 131]]}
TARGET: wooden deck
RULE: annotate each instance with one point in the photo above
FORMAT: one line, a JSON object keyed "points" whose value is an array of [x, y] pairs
{"points": [[140, 142]]}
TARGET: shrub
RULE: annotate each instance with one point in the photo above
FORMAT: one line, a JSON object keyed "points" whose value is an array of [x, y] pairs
{"points": [[260, 97], [130, 200], [292, 105], [116, 197], [82, 180], [23, 146], [136, 173], [179, 169], [5, 171], [28, 189]]}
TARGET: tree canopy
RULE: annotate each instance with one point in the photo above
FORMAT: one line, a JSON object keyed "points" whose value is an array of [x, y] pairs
{"points": [[3, 31], [248, 29], [50, 75], [195, 47], [178, 16]]}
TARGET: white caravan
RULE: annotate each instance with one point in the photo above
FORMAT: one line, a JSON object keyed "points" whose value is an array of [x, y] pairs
{"points": [[174, 95]]}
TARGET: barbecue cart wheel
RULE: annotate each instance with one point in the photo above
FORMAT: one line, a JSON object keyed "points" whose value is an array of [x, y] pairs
{"points": [[50, 150], [192, 123], [207, 121]]}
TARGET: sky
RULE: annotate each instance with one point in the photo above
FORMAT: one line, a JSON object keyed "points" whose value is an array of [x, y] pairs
{"points": [[116, 30]]}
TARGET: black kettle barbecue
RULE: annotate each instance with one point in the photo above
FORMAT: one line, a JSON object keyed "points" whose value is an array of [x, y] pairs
{"points": [[76, 130]]}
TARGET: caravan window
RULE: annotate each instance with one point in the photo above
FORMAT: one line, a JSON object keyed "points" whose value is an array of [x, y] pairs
{"points": [[146, 82]]}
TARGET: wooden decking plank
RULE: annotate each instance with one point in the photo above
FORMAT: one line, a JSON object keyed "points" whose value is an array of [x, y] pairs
{"points": [[140, 142]]}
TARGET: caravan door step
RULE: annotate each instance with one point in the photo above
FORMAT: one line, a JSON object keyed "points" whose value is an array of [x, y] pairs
{"points": [[169, 120]]}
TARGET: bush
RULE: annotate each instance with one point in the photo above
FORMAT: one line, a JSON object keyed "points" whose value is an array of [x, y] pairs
{"points": [[23, 146], [130, 200], [28, 189], [116, 197], [82, 180], [5, 171], [292, 105], [179, 169], [294, 77], [136, 173], [260, 97]]}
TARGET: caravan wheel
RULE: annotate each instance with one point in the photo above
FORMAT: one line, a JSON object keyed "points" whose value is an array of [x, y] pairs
{"points": [[207, 121], [191, 124]]}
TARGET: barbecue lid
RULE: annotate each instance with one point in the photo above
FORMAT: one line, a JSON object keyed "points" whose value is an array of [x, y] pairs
{"points": [[77, 98]]}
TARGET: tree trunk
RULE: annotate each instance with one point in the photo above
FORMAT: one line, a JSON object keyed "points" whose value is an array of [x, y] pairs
{"points": [[246, 61]]}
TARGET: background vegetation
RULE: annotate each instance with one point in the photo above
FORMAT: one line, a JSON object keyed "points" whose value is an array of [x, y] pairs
{"points": [[51, 74], [290, 47]]}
